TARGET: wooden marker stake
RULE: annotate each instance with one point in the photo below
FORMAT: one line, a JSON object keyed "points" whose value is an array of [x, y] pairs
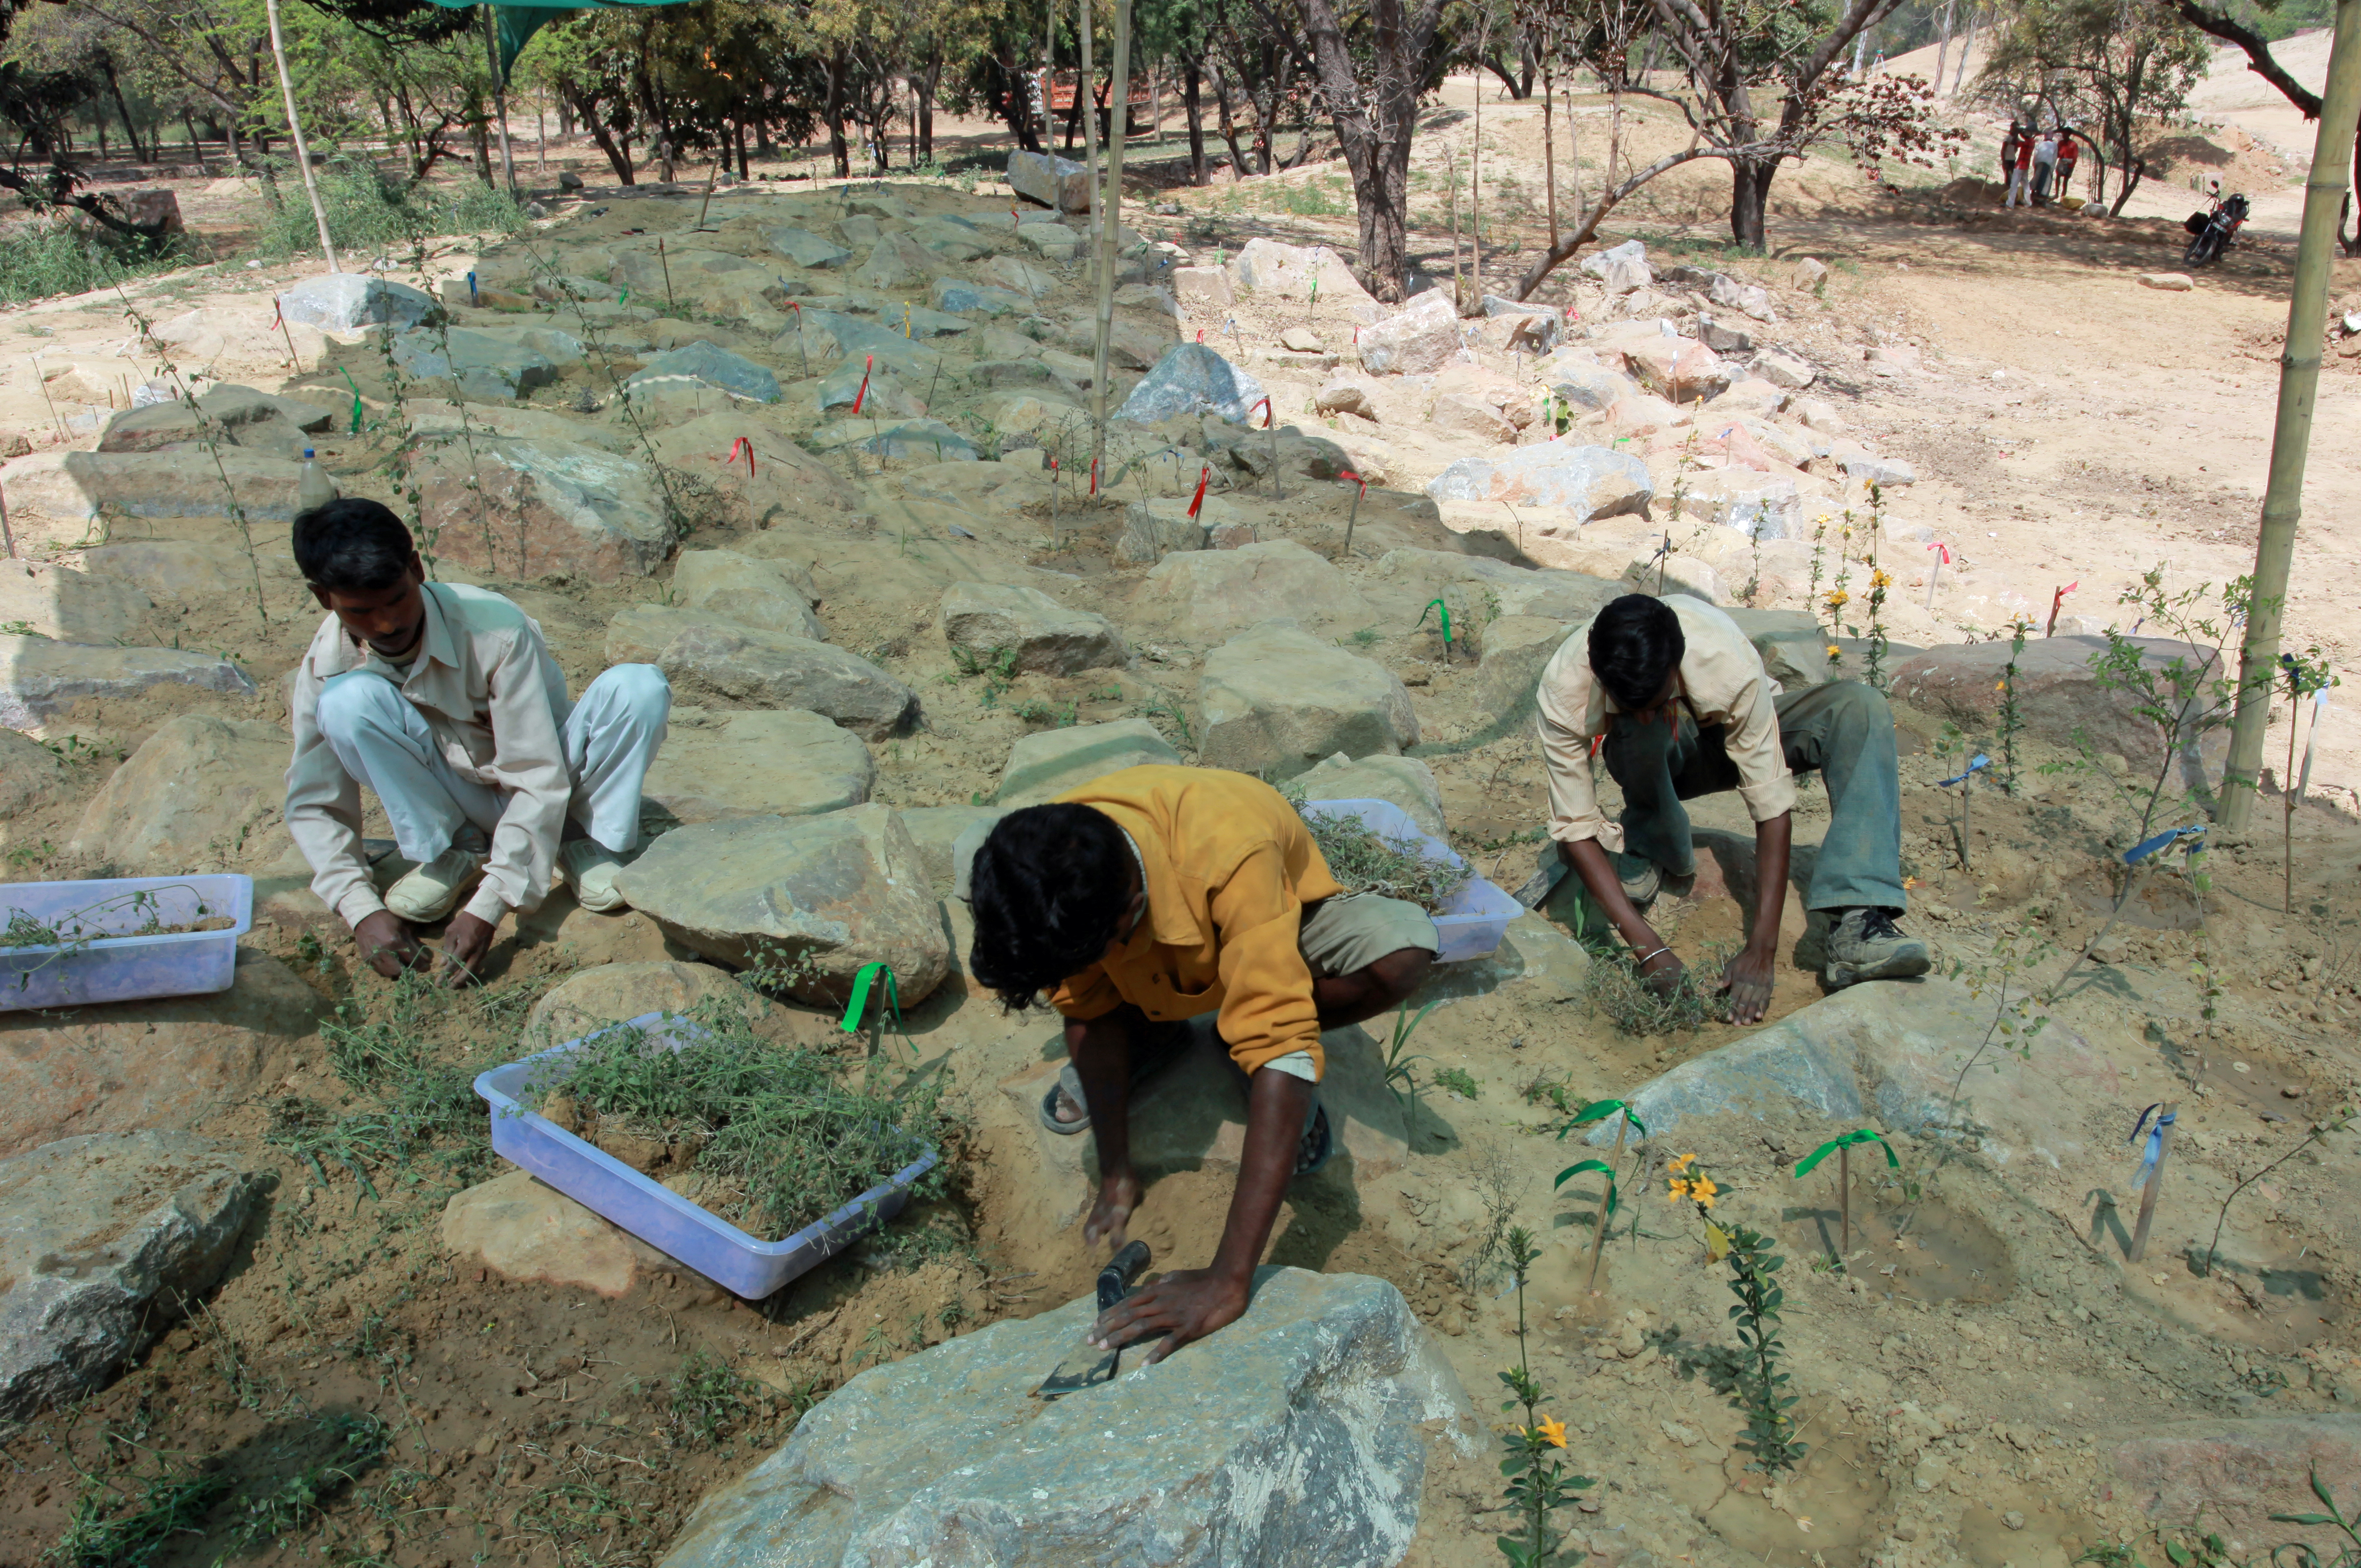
{"points": [[1599, 1233], [1844, 1202], [2155, 1181]]}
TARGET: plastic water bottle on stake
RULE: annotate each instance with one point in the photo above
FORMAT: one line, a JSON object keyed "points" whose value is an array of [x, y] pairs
{"points": [[314, 488]]}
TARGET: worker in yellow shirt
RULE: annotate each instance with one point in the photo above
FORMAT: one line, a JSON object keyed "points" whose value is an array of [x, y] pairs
{"points": [[1152, 897]]}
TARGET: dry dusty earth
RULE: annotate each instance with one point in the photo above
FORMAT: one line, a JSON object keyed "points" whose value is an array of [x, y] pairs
{"points": [[1965, 1387]]}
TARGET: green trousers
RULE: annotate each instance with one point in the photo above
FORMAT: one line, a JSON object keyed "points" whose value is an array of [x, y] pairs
{"points": [[1841, 730]]}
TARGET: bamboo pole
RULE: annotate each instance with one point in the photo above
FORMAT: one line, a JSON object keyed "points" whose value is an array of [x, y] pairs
{"points": [[1110, 212], [2324, 197], [1090, 118], [1598, 1232], [295, 133], [500, 97]]}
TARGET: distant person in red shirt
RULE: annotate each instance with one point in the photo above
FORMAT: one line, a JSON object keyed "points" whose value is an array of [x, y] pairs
{"points": [[2070, 147], [2020, 174]]}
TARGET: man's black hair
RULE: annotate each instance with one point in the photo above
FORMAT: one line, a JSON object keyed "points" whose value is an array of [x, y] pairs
{"points": [[1635, 642], [350, 543], [1047, 888]]}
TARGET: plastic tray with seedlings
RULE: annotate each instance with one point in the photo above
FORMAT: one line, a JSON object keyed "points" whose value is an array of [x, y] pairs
{"points": [[1374, 846], [748, 1159], [69, 944]]}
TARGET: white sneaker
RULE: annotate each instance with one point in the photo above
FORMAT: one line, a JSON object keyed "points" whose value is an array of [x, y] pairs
{"points": [[590, 867], [433, 891]]}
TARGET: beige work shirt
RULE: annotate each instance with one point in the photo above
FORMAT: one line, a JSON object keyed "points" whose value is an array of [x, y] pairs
{"points": [[495, 700], [1723, 682]]}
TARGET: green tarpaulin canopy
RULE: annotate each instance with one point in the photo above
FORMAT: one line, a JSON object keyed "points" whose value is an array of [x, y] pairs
{"points": [[517, 23]]}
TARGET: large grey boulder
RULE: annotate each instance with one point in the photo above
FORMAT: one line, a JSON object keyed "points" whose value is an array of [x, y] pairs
{"points": [[1204, 595], [104, 1241], [40, 677], [1889, 1052], [1679, 369], [1046, 763], [2059, 696], [1277, 699], [857, 338], [1190, 378], [917, 441], [31, 775], [346, 301], [1761, 506], [1415, 342], [1296, 1435], [615, 993], [539, 507], [702, 362], [806, 248], [1517, 648], [707, 657], [955, 294], [1598, 262], [477, 364], [813, 897], [771, 595], [1053, 181], [761, 763], [197, 786], [1498, 587], [1292, 271], [947, 838], [1405, 781], [239, 415], [1589, 386], [1592, 481], [987, 617], [61, 494]]}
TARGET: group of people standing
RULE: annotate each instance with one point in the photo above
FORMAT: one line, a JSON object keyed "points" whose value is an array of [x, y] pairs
{"points": [[2038, 164]]}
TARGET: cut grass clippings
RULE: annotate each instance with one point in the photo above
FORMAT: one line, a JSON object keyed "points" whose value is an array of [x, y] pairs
{"points": [[779, 1135], [1615, 990]]}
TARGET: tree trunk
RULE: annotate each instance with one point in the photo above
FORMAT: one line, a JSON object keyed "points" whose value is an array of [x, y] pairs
{"points": [[618, 158], [1943, 43], [115, 87], [499, 101], [832, 112], [1749, 186], [925, 91], [1960, 75], [196, 147], [1192, 102], [295, 130]]}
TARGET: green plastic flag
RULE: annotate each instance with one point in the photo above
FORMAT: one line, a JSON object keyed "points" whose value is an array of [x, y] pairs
{"points": [[1865, 1135], [861, 980], [1442, 609], [1599, 1110], [1600, 1166]]}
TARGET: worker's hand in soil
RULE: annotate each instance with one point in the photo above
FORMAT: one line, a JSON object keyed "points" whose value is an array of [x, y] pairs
{"points": [[1118, 1196], [388, 946], [465, 942], [1747, 978], [1185, 1305], [1662, 973]]}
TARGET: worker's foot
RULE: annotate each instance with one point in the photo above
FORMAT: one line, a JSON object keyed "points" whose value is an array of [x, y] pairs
{"points": [[588, 868], [1643, 879], [1865, 944], [429, 892]]}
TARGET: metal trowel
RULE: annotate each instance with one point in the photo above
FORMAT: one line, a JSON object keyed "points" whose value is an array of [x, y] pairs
{"points": [[1086, 1365]]}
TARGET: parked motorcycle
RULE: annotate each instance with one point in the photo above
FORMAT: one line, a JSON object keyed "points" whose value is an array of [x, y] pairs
{"points": [[2211, 231]]}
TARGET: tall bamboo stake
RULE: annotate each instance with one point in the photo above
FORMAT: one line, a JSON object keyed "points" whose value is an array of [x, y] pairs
{"points": [[1089, 119], [296, 132], [2323, 196], [1110, 210], [1598, 1232]]}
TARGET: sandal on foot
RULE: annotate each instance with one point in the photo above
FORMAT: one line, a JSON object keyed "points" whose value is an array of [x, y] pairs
{"points": [[1156, 1053], [1319, 1145]]}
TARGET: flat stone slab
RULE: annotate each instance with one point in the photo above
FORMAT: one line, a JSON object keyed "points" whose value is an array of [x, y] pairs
{"points": [[40, 677], [1048, 763], [1296, 1435], [786, 762], [527, 1231]]}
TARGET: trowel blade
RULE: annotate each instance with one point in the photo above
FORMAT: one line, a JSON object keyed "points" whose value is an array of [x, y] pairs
{"points": [[1087, 1365]]}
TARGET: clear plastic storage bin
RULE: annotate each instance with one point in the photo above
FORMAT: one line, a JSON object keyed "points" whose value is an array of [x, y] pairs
{"points": [[1479, 914], [123, 969], [654, 1213]]}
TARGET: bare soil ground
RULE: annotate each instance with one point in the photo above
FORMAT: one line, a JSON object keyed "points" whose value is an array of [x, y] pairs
{"points": [[1961, 1378]]}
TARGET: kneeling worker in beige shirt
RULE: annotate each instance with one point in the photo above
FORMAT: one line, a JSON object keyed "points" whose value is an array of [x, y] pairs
{"points": [[444, 702]]}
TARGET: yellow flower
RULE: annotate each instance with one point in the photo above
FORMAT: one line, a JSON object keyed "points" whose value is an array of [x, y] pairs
{"points": [[1552, 1432], [1878, 578], [1682, 1162], [2000, 686], [1702, 1190], [1837, 598], [1680, 1188], [1834, 651]]}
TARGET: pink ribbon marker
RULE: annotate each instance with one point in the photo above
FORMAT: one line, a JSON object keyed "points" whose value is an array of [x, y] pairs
{"points": [[741, 444], [1200, 334], [1265, 406], [1942, 559], [1095, 476], [1348, 474], [2055, 600], [1198, 499], [868, 363]]}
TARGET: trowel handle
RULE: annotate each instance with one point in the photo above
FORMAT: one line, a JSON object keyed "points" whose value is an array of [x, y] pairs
{"points": [[1122, 1270]]}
